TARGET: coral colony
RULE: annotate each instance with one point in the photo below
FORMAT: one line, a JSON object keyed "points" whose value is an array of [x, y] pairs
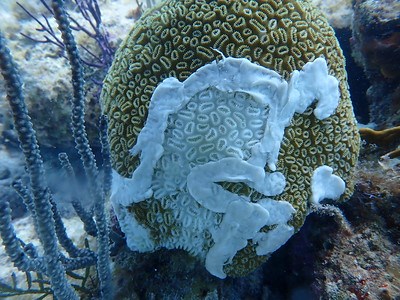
{"points": [[38, 199], [174, 163], [228, 122], [227, 119]]}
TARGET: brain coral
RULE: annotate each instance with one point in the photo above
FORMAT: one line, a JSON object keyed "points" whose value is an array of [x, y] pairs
{"points": [[200, 158]]}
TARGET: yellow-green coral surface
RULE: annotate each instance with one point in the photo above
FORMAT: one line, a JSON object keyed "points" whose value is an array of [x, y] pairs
{"points": [[175, 39]]}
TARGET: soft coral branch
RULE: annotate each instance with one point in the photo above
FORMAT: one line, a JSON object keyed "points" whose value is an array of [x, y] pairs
{"points": [[93, 28]]}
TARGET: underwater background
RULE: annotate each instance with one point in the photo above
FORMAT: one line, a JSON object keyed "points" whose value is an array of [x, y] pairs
{"points": [[349, 253]]}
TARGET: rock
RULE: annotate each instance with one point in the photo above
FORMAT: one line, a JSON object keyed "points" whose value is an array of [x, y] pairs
{"points": [[376, 47]]}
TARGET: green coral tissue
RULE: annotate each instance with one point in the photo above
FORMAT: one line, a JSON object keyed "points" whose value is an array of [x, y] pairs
{"points": [[228, 119]]}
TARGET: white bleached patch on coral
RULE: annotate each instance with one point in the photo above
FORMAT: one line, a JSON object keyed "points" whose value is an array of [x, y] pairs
{"points": [[243, 221], [126, 191], [231, 75], [224, 123], [326, 185], [202, 182], [138, 237], [281, 212], [305, 86]]}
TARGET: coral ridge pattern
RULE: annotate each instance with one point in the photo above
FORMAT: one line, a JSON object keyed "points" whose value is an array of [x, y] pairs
{"points": [[227, 120]]}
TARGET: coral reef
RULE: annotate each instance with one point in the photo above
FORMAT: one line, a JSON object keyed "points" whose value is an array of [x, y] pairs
{"points": [[327, 259], [353, 255], [38, 198], [338, 12], [376, 47], [24, 228], [46, 73], [363, 263], [190, 280], [386, 138], [178, 39]]}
